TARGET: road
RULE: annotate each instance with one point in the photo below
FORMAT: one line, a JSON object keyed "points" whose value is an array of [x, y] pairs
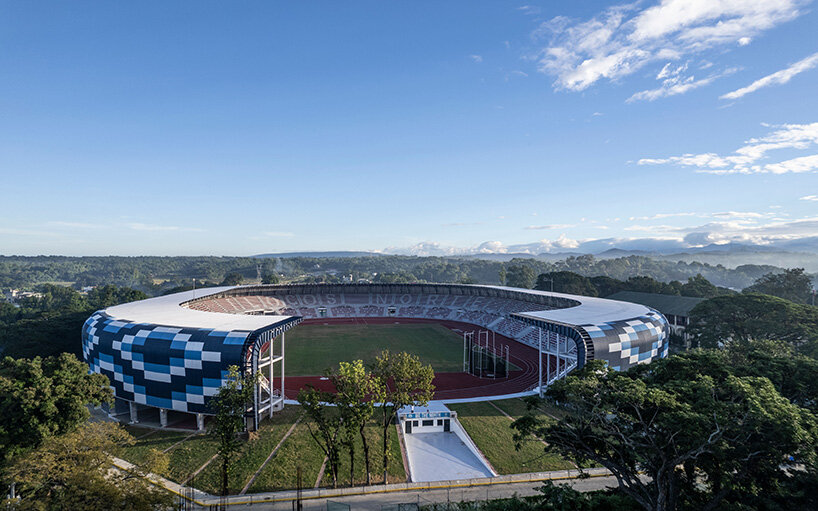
{"points": [[374, 502]]}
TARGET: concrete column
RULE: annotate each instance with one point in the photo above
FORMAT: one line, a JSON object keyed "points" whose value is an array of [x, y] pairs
{"points": [[163, 417], [132, 407], [200, 421]]}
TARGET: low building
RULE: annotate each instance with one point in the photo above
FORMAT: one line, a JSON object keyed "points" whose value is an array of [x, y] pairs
{"points": [[675, 308]]}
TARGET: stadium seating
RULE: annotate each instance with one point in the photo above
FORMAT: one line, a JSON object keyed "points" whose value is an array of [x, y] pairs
{"points": [[485, 312]]}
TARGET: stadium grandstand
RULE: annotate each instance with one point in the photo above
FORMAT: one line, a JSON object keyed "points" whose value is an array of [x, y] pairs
{"points": [[170, 354]]}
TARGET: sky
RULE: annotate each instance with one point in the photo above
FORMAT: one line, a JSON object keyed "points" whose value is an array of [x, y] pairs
{"points": [[430, 128]]}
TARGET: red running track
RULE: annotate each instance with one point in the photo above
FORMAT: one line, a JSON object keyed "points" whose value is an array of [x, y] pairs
{"points": [[447, 385]]}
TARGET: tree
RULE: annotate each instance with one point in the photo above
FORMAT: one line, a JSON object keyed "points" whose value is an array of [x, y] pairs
{"points": [[565, 282], [270, 278], [733, 319], [645, 284], [42, 398], [230, 404], [232, 279], [702, 435], [356, 392], [102, 297], [520, 275], [325, 425], [405, 381], [73, 471], [792, 284], [700, 287], [606, 286]]}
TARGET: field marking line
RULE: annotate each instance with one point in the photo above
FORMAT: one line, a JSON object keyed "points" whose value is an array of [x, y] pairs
{"points": [[535, 436], [272, 453], [321, 473], [179, 442], [194, 474]]}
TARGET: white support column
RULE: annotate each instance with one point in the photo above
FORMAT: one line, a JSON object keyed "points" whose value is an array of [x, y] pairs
{"points": [[200, 421], [270, 373], [548, 362], [282, 366], [132, 409], [539, 358], [163, 417]]}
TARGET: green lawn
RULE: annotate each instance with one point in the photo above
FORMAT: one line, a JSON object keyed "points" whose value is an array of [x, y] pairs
{"points": [[491, 431], [253, 454], [280, 473], [397, 474], [311, 349], [185, 457]]}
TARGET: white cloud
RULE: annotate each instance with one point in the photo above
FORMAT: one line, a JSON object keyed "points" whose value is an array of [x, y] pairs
{"points": [[546, 227], [777, 78], [810, 198], [138, 226], [279, 234], [75, 225], [674, 82], [744, 41], [747, 159], [624, 38], [659, 216], [476, 58]]}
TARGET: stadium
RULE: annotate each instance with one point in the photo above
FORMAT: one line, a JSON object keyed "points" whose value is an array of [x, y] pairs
{"points": [[166, 356]]}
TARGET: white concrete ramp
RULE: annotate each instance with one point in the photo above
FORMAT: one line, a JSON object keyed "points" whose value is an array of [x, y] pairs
{"points": [[442, 456]]}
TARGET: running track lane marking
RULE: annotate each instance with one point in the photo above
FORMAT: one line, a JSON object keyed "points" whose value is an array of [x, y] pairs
{"points": [[273, 453]]}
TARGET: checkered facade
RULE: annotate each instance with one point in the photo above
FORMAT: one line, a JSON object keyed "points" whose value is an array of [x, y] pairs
{"points": [[165, 367], [626, 343]]}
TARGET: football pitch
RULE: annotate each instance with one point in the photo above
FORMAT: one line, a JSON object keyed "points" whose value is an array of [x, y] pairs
{"points": [[311, 349]]}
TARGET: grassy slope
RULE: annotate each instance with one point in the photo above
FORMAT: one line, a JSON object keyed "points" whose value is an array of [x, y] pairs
{"points": [[299, 450], [313, 348], [252, 455], [397, 474], [491, 431]]}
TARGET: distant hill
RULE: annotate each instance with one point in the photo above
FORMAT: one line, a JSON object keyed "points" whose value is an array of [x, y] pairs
{"points": [[318, 254]]}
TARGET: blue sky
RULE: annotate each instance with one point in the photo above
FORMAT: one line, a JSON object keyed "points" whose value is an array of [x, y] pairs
{"points": [[182, 128]]}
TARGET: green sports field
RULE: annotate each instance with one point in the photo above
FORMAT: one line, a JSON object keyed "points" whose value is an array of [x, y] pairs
{"points": [[313, 348]]}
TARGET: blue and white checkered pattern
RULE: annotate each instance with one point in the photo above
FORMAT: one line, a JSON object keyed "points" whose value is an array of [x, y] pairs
{"points": [[165, 367], [629, 342]]}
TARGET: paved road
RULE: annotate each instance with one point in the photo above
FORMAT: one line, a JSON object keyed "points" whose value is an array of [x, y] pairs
{"points": [[374, 502], [442, 457]]}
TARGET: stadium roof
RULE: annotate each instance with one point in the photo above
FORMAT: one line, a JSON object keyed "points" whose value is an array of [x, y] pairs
{"points": [[167, 310], [590, 310], [666, 304]]}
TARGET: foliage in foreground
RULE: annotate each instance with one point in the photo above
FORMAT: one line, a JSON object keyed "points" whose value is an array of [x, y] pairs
{"points": [[706, 431], [42, 398], [73, 471], [230, 405]]}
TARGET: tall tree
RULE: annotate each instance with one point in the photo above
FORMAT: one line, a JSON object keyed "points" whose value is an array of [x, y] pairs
{"points": [[702, 435], [42, 398], [566, 282], [357, 390], [405, 381], [325, 425], [230, 404], [735, 319], [520, 275], [791, 284], [73, 471]]}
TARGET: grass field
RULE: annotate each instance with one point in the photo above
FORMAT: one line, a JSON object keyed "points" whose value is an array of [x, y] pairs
{"points": [[311, 349], [491, 431]]}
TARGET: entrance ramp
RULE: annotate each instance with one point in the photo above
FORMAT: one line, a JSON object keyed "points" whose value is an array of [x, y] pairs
{"points": [[441, 450]]}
